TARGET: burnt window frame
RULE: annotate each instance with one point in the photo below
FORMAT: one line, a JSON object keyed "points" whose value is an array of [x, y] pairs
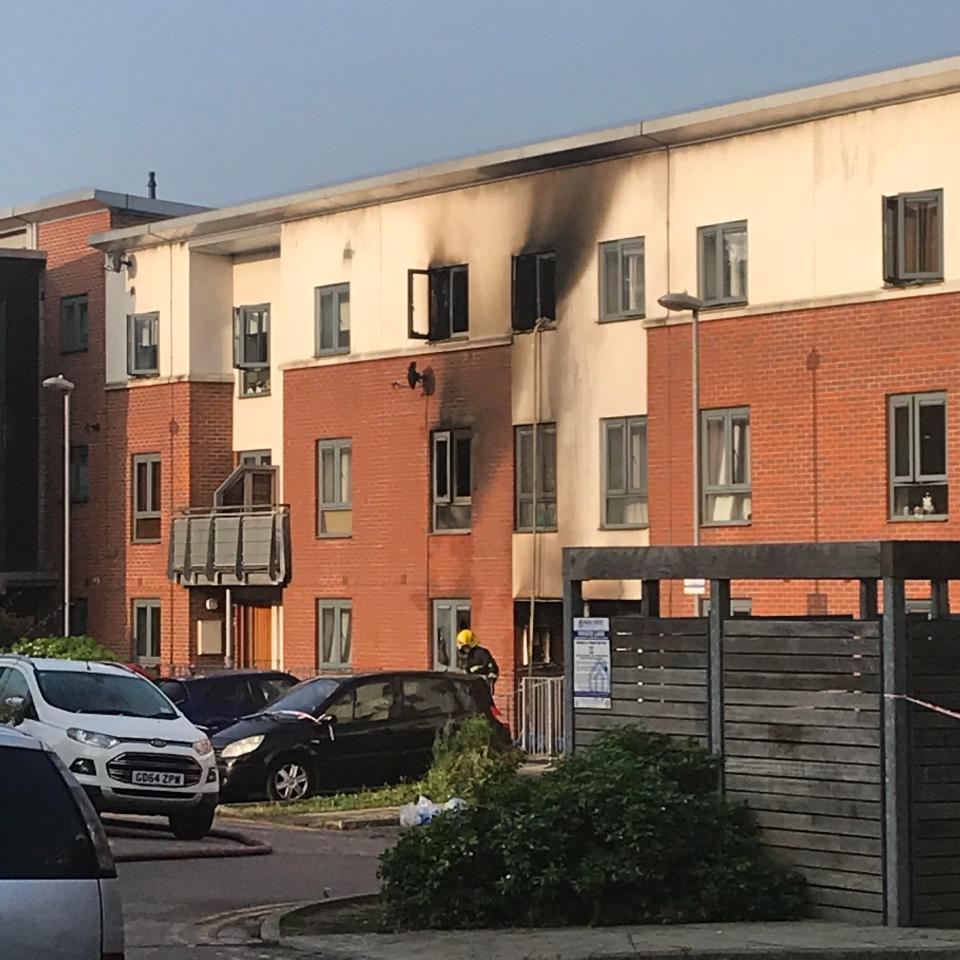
{"points": [[451, 498], [256, 371], [438, 332], [135, 323], [152, 496], [538, 258], [74, 323], [913, 402], [894, 246], [629, 246]]}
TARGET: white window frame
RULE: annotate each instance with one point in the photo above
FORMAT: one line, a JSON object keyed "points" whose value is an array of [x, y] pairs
{"points": [[151, 643], [630, 247], [137, 322], [914, 402], [342, 501], [339, 294], [451, 498], [625, 490], [337, 608]]}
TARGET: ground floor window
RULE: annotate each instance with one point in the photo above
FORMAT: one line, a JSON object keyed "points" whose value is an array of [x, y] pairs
{"points": [[335, 630], [146, 630], [449, 618], [545, 653]]}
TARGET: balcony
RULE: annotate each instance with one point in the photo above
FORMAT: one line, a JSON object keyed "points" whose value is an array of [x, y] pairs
{"points": [[231, 546]]}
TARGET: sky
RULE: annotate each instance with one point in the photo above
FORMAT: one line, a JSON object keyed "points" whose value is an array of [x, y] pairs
{"points": [[232, 100]]}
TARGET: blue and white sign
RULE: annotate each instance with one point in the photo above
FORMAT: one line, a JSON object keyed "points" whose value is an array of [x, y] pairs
{"points": [[591, 663]]}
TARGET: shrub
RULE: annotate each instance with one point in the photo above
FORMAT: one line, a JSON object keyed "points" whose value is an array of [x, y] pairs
{"points": [[632, 830], [468, 755], [64, 648]]}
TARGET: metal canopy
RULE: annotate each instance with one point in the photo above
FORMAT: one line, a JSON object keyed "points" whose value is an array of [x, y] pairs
{"points": [[850, 560]]}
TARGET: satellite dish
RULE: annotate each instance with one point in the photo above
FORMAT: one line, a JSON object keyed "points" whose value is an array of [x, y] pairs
{"points": [[413, 375]]}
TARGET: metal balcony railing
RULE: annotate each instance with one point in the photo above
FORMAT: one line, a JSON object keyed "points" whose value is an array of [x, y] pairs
{"points": [[231, 546]]}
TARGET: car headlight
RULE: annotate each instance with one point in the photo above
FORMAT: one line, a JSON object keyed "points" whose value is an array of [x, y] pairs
{"points": [[203, 747], [240, 748], [91, 739]]}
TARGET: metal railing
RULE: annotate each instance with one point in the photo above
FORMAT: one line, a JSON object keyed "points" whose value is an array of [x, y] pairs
{"points": [[541, 716]]}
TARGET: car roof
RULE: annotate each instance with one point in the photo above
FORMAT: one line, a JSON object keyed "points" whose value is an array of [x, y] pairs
{"points": [[233, 674], [16, 738], [69, 666]]}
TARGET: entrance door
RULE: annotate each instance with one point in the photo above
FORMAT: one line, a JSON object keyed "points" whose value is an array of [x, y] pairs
{"points": [[256, 646]]}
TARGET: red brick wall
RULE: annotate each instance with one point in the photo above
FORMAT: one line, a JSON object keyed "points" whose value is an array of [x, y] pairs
{"points": [[818, 437], [393, 567]]}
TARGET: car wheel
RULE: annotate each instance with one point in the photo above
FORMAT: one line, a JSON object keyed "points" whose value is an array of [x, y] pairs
{"points": [[192, 824], [288, 779]]}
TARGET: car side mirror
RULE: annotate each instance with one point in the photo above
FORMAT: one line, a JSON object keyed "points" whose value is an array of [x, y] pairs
{"points": [[13, 711], [329, 721]]}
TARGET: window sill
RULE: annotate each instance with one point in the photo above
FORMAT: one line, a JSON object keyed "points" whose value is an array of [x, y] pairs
{"points": [[334, 536], [550, 325], [451, 533], [143, 374], [253, 396], [624, 526], [338, 669], [911, 282], [726, 523], [64, 353], [538, 530], [625, 318], [723, 304], [145, 543], [320, 354], [148, 661], [931, 518]]}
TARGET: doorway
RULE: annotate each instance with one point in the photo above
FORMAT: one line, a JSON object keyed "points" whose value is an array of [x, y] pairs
{"points": [[255, 640]]}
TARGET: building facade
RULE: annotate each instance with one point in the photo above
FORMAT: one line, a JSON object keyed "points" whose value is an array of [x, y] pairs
{"points": [[351, 421]]}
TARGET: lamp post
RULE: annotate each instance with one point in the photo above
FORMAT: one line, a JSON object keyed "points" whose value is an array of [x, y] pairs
{"points": [[61, 384], [686, 301]]}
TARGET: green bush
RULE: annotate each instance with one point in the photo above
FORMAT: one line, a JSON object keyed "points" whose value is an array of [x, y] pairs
{"points": [[632, 830], [468, 756], [64, 648]]}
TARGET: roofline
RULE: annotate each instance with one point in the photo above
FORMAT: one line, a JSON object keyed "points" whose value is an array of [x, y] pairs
{"points": [[51, 208], [917, 81]]}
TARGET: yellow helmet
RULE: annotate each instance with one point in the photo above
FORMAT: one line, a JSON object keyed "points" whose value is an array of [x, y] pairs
{"points": [[465, 638]]}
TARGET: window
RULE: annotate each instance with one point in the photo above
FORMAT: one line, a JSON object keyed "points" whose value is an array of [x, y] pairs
{"points": [[723, 263], [621, 279], [333, 319], [229, 692], [79, 474], [439, 294], [546, 477], [335, 488], [373, 702], [73, 324], [725, 445], [451, 480], [918, 456], [174, 690], [739, 607], [534, 289], [625, 472], [426, 698], [255, 458], [334, 623], [449, 618], [251, 349], [146, 630], [913, 237], [143, 344], [146, 498], [78, 617]]}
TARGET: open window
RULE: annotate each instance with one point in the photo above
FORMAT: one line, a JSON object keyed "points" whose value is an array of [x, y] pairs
{"points": [[251, 349], [534, 289], [437, 303]]}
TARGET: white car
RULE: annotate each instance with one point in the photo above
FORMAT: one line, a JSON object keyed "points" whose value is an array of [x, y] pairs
{"points": [[58, 885], [127, 745]]}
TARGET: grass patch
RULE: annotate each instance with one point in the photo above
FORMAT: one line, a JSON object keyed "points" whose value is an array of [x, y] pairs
{"points": [[393, 796]]}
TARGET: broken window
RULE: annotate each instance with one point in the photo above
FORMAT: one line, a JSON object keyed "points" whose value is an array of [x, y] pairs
{"points": [[534, 289], [251, 349], [451, 480], [437, 303]]}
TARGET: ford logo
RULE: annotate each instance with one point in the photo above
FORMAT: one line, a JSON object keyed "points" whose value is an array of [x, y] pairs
{"points": [[159, 744]]}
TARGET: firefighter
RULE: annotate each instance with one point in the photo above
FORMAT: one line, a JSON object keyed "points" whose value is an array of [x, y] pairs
{"points": [[476, 660]]}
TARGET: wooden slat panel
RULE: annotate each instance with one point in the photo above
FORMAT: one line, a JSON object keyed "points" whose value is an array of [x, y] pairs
{"points": [[654, 708], [803, 770], [814, 717], [696, 678], [659, 626], [838, 699], [797, 663], [812, 629], [869, 846], [924, 630], [815, 823], [665, 644], [828, 860], [800, 733], [839, 790], [783, 750], [652, 659], [804, 646], [674, 727], [752, 679], [668, 692], [837, 879], [851, 899], [843, 807]]}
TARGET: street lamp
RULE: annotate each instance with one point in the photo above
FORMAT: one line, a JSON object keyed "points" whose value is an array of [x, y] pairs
{"points": [[63, 385], [686, 301]]}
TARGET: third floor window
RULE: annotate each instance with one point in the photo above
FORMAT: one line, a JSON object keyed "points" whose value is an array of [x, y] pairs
{"points": [[251, 349], [437, 303], [722, 259], [143, 344], [913, 237], [73, 324]]}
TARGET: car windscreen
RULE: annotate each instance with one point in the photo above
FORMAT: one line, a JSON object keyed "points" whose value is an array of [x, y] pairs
{"points": [[174, 689], [306, 697], [104, 693], [44, 836]]}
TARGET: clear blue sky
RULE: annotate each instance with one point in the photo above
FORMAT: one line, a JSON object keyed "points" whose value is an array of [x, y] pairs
{"points": [[229, 100]]}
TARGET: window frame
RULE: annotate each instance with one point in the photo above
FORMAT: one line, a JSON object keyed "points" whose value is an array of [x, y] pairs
{"points": [[246, 367], [79, 341], [151, 643], [719, 229], [134, 320], [151, 496], [451, 498], [914, 402], [254, 458], [79, 473], [521, 431], [337, 607], [894, 241], [628, 491], [538, 258], [623, 248], [338, 504], [436, 334], [336, 291], [454, 607], [730, 489]]}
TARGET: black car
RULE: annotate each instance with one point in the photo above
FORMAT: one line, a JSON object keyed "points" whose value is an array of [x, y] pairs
{"points": [[331, 733], [216, 701]]}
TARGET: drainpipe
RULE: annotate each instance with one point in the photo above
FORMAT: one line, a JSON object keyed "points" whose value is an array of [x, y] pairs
{"points": [[534, 560], [228, 640]]}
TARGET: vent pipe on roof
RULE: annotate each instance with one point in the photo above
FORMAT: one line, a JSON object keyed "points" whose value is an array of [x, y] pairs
{"points": [[152, 185]]}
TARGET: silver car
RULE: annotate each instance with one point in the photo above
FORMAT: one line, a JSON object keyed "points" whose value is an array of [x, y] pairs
{"points": [[58, 884]]}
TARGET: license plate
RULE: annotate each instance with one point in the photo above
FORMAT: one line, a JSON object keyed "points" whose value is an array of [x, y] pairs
{"points": [[153, 778]]}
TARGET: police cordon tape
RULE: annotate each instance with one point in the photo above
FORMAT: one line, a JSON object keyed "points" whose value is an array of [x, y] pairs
{"points": [[923, 703]]}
